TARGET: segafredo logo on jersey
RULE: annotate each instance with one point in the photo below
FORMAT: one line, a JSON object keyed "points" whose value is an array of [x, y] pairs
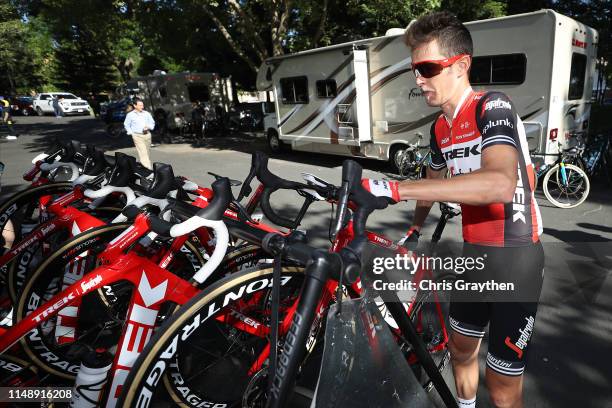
{"points": [[525, 335], [497, 104], [88, 285], [495, 123]]}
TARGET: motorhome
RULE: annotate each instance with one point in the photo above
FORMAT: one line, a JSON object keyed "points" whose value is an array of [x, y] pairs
{"points": [[169, 97], [360, 98]]}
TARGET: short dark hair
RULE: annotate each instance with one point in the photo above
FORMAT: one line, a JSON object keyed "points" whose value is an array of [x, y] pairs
{"points": [[136, 100], [452, 36]]}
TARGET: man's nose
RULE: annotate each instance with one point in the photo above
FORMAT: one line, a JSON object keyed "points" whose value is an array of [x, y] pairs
{"points": [[420, 80]]}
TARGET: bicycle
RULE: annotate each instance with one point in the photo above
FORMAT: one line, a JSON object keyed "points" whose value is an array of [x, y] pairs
{"points": [[411, 162], [154, 286], [597, 156], [565, 185], [229, 323]]}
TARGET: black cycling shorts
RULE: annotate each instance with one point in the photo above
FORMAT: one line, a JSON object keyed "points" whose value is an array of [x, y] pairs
{"points": [[511, 323]]}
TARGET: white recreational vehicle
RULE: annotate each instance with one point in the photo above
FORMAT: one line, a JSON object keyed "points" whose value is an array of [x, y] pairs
{"points": [[169, 96], [361, 99]]}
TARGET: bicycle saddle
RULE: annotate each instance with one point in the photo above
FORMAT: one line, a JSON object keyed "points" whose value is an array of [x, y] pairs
{"points": [[123, 172], [163, 181], [95, 164]]}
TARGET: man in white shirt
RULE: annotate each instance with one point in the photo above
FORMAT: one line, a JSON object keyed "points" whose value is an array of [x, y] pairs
{"points": [[139, 123]]}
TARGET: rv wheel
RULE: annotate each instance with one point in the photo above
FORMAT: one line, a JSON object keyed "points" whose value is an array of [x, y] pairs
{"points": [[274, 143]]}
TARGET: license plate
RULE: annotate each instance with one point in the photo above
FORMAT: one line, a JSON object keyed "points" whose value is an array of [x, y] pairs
{"points": [[80, 110]]}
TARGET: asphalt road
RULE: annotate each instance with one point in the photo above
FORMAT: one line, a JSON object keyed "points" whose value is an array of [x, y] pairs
{"points": [[568, 362]]}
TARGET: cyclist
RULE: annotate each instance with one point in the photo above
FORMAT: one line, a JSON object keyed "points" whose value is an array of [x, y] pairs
{"points": [[479, 137]]}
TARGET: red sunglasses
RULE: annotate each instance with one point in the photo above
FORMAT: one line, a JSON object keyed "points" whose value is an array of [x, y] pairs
{"points": [[431, 68]]}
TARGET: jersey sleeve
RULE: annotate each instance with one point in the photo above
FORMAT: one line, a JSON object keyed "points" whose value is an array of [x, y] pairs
{"points": [[437, 161], [496, 120]]}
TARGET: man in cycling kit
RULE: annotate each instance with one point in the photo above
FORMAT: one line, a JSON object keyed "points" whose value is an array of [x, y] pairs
{"points": [[480, 140]]}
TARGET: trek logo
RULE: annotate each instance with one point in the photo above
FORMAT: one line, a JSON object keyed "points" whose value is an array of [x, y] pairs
{"points": [[518, 201], [54, 307], [381, 240], [497, 104], [86, 286], [462, 152], [500, 122], [525, 335]]}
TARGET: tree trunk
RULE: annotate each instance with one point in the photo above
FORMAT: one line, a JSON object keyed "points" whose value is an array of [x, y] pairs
{"points": [[280, 22], [228, 37], [321, 27], [250, 30]]}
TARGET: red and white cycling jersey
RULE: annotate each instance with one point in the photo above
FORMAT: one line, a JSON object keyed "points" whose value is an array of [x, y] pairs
{"points": [[482, 120]]}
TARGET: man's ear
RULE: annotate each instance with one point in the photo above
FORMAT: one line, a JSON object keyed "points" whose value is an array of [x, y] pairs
{"points": [[463, 66]]}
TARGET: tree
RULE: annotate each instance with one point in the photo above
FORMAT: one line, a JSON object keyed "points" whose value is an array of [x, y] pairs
{"points": [[107, 26], [25, 51]]}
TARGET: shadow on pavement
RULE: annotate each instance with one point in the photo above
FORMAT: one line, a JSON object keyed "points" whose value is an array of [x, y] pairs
{"points": [[575, 236]]}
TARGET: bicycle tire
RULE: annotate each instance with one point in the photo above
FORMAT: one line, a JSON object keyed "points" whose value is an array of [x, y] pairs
{"points": [[16, 372], [21, 266], [578, 185], [198, 311], [108, 298], [426, 309], [11, 210]]}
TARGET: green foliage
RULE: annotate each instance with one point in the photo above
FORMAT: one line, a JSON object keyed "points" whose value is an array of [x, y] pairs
{"points": [[93, 45], [24, 53]]}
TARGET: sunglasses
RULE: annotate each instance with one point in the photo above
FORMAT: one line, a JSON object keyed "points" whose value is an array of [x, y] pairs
{"points": [[431, 68]]}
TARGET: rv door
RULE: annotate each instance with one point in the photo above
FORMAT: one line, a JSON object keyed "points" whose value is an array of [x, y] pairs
{"points": [[353, 117], [362, 98]]}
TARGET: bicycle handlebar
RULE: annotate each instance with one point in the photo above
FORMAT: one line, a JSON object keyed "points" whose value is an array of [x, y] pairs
{"points": [[272, 183]]}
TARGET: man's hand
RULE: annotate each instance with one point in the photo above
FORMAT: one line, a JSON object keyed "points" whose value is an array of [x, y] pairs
{"points": [[383, 188], [410, 241]]}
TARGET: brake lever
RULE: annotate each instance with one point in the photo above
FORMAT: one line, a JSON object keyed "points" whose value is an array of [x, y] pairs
{"points": [[243, 215], [216, 176]]}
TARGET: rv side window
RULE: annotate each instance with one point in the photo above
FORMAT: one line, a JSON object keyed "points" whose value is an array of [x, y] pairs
{"points": [[480, 72], [508, 69], [162, 92], [577, 74], [498, 69], [294, 90], [326, 88]]}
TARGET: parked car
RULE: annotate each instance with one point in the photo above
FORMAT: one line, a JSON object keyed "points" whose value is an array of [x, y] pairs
{"points": [[113, 114], [71, 105], [22, 105]]}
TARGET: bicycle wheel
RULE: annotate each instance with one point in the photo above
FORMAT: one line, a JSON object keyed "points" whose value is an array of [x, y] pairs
{"points": [[430, 316], [102, 312], [566, 191], [32, 256], [206, 353], [18, 215]]}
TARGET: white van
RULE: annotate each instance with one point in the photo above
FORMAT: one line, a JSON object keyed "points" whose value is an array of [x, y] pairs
{"points": [[360, 98]]}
